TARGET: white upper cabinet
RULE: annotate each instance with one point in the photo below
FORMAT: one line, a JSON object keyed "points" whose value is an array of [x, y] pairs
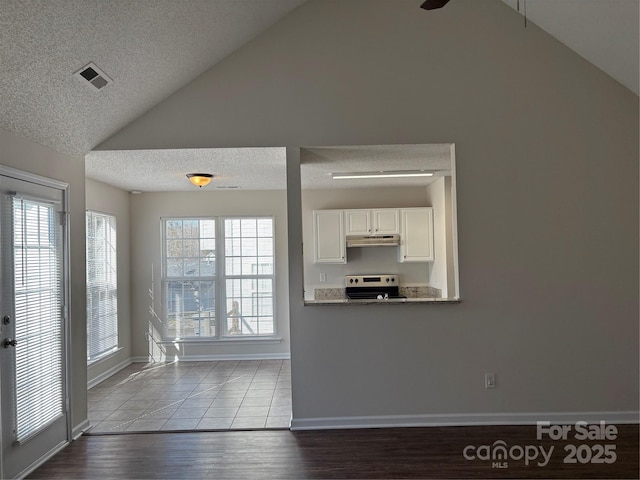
{"points": [[416, 235], [379, 221], [415, 226], [357, 222], [329, 244], [386, 221]]}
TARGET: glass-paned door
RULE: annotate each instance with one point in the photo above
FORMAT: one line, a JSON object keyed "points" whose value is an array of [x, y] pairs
{"points": [[32, 308]]}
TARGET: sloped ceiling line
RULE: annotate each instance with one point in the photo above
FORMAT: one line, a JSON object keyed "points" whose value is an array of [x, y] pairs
{"points": [[152, 48]]}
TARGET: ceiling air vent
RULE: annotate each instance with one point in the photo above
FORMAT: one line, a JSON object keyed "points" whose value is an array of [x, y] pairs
{"points": [[92, 75]]}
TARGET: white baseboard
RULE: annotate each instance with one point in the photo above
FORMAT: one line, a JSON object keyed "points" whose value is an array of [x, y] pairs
{"points": [[214, 358], [442, 420], [141, 359], [80, 429], [112, 371]]}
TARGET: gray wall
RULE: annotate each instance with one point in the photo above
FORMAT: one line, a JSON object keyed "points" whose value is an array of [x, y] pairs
{"points": [[547, 172], [104, 198], [22, 154], [146, 268]]}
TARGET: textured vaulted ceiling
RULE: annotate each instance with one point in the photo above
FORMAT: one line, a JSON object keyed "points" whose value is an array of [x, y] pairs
{"points": [[151, 48]]}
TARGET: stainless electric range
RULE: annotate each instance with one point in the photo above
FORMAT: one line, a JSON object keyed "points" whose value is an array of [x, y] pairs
{"points": [[372, 287]]}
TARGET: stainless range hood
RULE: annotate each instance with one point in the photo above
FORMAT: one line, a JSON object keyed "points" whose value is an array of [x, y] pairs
{"points": [[373, 240]]}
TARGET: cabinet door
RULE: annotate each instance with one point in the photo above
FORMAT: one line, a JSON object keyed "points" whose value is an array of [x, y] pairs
{"points": [[328, 237], [416, 235], [386, 221], [357, 222]]}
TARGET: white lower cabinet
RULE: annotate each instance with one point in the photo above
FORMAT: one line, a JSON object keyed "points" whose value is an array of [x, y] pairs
{"points": [[416, 235], [329, 244]]}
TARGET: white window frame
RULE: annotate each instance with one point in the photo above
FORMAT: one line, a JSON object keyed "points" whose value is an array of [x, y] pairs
{"points": [[226, 276], [106, 319], [223, 306], [186, 278]]}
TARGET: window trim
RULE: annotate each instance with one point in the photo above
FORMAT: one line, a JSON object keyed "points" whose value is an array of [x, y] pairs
{"points": [[105, 356], [220, 284], [164, 278], [115, 348], [272, 276]]}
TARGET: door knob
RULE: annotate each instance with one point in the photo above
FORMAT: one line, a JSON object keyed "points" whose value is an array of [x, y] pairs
{"points": [[10, 343]]}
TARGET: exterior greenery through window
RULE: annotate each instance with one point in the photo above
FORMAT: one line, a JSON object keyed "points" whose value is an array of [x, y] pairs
{"points": [[227, 258], [102, 285]]}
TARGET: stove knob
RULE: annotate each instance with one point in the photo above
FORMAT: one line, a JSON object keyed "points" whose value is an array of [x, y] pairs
{"points": [[387, 279], [351, 280], [356, 280], [393, 279]]}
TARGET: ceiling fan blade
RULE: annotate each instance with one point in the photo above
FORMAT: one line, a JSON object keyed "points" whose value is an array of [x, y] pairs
{"points": [[433, 4]]}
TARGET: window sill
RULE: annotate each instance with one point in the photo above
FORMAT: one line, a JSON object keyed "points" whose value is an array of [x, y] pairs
{"points": [[103, 357], [223, 341]]}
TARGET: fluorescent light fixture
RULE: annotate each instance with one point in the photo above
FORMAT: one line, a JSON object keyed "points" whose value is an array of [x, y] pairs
{"points": [[382, 174]]}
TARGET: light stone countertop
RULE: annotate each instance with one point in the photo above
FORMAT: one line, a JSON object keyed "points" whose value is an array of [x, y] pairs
{"points": [[414, 294], [394, 301]]}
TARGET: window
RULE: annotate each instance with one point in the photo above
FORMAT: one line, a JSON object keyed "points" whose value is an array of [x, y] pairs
{"points": [[190, 283], [195, 275], [249, 276], [102, 286]]}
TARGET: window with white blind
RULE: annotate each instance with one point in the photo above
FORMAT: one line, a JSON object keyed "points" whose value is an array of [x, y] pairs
{"points": [[102, 286], [228, 258]]}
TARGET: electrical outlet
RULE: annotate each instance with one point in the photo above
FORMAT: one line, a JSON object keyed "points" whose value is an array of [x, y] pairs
{"points": [[489, 380], [323, 277]]}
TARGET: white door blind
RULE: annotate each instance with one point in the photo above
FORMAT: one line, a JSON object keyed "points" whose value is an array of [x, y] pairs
{"points": [[102, 285], [38, 316]]}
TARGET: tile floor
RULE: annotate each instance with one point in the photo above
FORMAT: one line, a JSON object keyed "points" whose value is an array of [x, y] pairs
{"points": [[193, 396]]}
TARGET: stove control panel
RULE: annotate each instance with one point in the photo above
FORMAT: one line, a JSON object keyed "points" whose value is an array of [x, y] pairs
{"points": [[384, 280]]}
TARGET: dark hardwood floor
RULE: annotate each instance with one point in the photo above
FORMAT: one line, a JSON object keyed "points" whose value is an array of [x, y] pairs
{"points": [[434, 452]]}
